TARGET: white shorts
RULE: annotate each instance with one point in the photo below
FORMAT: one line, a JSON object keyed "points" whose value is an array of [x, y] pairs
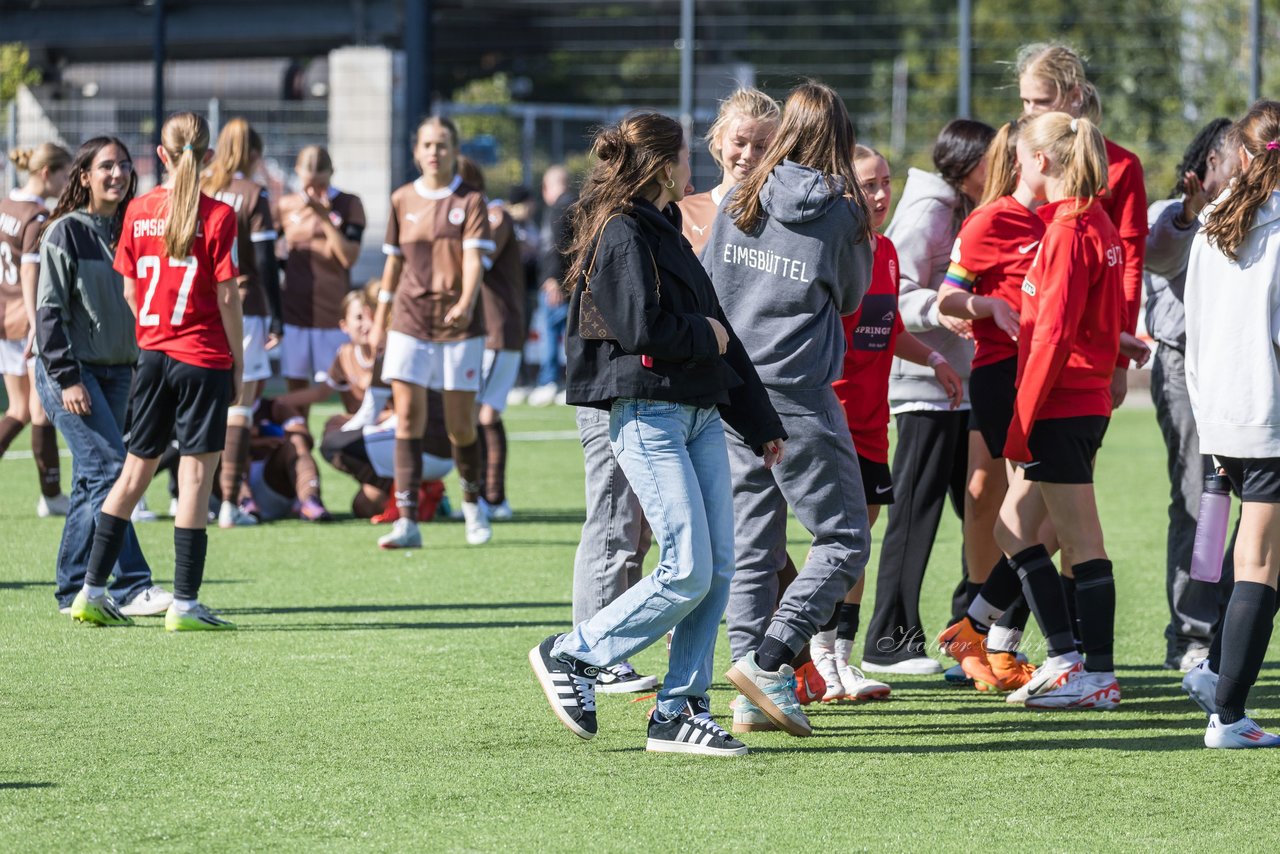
{"points": [[257, 366], [11, 362], [306, 352], [271, 504], [501, 369], [445, 366], [380, 447]]}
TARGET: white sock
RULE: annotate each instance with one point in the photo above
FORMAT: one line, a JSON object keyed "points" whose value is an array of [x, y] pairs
{"points": [[184, 606], [94, 592], [1002, 639], [982, 611], [844, 649], [1063, 661], [821, 643]]}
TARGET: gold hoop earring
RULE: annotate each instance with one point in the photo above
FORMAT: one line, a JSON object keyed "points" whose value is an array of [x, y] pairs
{"points": [[671, 184]]}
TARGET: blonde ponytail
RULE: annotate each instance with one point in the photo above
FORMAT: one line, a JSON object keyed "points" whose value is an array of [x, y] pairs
{"points": [[238, 146], [1002, 164], [1076, 149], [185, 138]]}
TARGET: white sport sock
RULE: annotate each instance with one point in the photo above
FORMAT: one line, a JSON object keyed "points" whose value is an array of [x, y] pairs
{"points": [[983, 612], [1064, 660], [1004, 639], [185, 605], [94, 592], [844, 649], [822, 643]]}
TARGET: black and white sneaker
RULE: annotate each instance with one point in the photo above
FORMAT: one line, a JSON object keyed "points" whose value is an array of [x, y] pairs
{"points": [[692, 731], [621, 678], [570, 687]]}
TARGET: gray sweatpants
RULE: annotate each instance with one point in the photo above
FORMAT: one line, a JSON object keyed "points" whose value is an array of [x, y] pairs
{"points": [[1194, 606], [820, 479], [615, 537]]}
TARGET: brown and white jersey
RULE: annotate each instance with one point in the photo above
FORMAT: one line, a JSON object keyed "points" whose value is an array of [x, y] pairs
{"points": [[430, 229], [252, 205], [352, 375], [21, 218], [696, 214], [315, 282], [504, 285]]}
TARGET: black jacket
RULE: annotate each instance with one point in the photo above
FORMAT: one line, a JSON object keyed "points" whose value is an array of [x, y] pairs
{"points": [[668, 324], [555, 236]]}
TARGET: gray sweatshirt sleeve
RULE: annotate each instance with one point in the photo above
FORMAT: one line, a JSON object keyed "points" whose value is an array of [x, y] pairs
{"points": [[53, 312], [853, 270], [1169, 245], [923, 248]]}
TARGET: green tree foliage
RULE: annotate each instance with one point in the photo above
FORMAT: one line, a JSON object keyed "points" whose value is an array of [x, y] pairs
{"points": [[15, 71]]}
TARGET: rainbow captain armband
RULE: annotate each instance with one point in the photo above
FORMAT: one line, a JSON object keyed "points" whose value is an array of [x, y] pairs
{"points": [[959, 277]]}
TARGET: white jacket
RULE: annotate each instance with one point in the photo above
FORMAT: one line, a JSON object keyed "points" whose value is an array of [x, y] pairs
{"points": [[1233, 331]]}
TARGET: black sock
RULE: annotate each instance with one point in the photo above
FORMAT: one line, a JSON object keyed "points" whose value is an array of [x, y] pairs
{"points": [[1246, 631], [971, 591], [189, 548], [996, 595], [108, 541], [1215, 645], [847, 627], [772, 654], [1017, 615], [1073, 610], [1043, 590], [831, 624], [1094, 587]]}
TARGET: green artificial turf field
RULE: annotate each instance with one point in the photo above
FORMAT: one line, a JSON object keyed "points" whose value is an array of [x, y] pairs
{"points": [[383, 701]]}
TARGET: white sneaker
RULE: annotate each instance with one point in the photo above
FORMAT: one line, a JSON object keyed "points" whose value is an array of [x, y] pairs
{"points": [[858, 687], [231, 516], [829, 670], [747, 717], [58, 505], [1046, 678], [404, 534], [920, 666], [622, 678], [142, 513], [562, 397], [1195, 654], [518, 395], [152, 602], [173, 508], [498, 512], [479, 531], [1201, 685], [543, 395], [1242, 733], [1079, 690]]}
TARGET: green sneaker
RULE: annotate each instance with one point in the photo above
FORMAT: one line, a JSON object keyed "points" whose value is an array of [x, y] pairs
{"points": [[98, 610], [198, 619]]}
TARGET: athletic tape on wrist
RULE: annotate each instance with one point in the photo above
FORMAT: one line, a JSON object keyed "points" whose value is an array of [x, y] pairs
{"points": [[240, 411], [386, 296], [936, 358]]}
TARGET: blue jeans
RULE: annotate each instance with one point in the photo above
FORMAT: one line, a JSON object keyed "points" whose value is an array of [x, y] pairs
{"points": [[554, 321], [675, 458], [96, 442]]}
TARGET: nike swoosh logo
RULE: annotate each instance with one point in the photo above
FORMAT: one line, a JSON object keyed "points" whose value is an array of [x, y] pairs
{"points": [[699, 230], [881, 490], [1023, 250], [1029, 465]]}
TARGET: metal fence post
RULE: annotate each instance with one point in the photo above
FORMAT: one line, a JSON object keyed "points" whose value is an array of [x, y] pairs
{"points": [[215, 118], [157, 82], [11, 142], [1255, 50], [686, 68], [965, 46]]}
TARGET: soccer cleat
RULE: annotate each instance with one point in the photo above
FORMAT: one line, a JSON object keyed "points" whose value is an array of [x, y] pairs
{"points": [[543, 395], [313, 511], [1242, 733], [774, 693], [691, 731], [1101, 691], [570, 687], [498, 512], [747, 717], [955, 675], [1011, 674], [152, 602], [389, 513], [1201, 685], [1195, 654], [58, 505], [968, 646], [479, 531], [921, 665], [858, 688], [195, 619], [829, 669], [622, 678], [98, 610], [430, 494], [404, 534], [142, 513], [231, 516], [173, 508], [1047, 677], [810, 686]]}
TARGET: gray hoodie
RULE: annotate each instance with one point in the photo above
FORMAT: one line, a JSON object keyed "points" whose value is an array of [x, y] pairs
{"points": [[923, 230], [784, 289]]}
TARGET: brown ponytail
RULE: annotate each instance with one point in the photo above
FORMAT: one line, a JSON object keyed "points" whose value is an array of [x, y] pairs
{"points": [[185, 138], [1076, 149], [1002, 163], [1259, 134], [238, 146]]}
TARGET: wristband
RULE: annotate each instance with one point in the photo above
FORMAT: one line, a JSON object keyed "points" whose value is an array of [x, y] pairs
{"points": [[935, 359], [385, 296]]}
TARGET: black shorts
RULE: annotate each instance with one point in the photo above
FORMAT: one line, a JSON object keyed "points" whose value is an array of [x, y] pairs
{"points": [[172, 400], [877, 481], [991, 395], [1254, 480], [1063, 449]]}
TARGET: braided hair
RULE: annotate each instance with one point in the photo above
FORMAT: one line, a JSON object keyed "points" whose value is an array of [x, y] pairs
{"points": [[1195, 158]]}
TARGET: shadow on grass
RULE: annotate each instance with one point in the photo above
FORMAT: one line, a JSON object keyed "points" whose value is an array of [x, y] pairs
{"points": [[1086, 725], [24, 585], [361, 627], [1094, 741], [376, 609], [28, 785]]}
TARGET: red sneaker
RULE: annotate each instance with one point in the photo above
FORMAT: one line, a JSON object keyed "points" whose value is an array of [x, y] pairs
{"points": [[389, 514], [810, 686], [429, 494]]}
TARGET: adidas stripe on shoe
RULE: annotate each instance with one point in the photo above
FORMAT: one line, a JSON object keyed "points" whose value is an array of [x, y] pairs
{"points": [[692, 731], [570, 687]]}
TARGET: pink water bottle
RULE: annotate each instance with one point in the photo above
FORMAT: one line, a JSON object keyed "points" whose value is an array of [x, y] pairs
{"points": [[1211, 528]]}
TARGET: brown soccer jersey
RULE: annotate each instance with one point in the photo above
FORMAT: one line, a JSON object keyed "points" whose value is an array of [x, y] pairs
{"points": [[503, 294], [315, 282], [430, 229], [21, 218], [252, 205], [351, 375], [697, 213]]}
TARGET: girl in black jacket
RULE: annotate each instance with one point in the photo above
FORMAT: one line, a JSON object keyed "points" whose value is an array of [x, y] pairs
{"points": [[647, 341]]}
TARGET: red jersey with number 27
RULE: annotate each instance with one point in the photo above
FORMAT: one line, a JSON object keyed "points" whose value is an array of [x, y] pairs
{"points": [[177, 298]]}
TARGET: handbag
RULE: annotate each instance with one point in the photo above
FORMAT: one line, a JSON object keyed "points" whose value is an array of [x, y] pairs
{"points": [[591, 323]]}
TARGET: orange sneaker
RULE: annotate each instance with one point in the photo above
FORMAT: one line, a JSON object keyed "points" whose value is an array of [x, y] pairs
{"points": [[810, 686], [389, 513], [1011, 674], [968, 646], [430, 493]]}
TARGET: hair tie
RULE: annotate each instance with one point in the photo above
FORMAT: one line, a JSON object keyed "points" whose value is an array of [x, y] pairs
{"points": [[186, 147], [1273, 145], [1075, 126]]}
